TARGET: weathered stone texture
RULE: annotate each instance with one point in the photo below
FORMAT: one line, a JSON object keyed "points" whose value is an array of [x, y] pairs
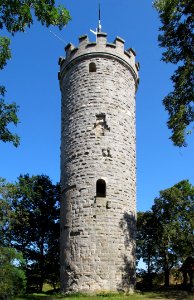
{"points": [[98, 142]]}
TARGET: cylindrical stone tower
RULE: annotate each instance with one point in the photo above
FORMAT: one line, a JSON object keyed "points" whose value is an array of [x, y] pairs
{"points": [[98, 82]]}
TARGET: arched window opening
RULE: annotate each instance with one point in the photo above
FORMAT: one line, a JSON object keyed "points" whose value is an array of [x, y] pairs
{"points": [[92, 67], [100, 188]]}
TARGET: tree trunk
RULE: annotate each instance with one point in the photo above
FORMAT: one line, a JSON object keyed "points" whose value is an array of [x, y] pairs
{"points": [[54, 286], [149, 272], [167, 277], [166, 269], [41, 286], [41, 264], [184, 279], [191, 280]]}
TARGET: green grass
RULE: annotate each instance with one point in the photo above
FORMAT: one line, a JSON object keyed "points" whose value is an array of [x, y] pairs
{"points": [[162, 295]]}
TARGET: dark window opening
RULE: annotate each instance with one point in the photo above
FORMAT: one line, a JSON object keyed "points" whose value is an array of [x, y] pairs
{"points": [[74, 233], [100, 188], [92, 67]]}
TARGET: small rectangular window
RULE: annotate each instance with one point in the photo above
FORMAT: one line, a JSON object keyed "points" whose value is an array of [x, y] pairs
{"points": [[92, 67]]}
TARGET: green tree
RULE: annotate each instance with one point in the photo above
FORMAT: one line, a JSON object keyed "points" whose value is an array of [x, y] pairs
{"points": [[35, 229], [8, 115], [165, 234], [147, 238], [174, 211], [12, 274], [16, 16], [52, 257], [177, 18], [6, 213], [12, 265]]}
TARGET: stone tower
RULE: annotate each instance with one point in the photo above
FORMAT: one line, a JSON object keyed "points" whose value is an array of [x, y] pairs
{"points": [[98, 82]]}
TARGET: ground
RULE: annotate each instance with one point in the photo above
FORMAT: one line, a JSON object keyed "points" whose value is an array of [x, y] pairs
{"points": [[162, 295]]}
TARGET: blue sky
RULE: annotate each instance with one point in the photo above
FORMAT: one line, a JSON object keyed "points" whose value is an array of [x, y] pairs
{"points": [[31, 81]]}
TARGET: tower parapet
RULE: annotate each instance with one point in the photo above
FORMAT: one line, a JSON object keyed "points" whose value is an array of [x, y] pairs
{"points": [[98, 83], [100, 47]]}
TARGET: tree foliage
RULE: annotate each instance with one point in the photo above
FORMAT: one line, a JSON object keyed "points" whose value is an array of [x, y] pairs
{"points": [[147, 233], [6, 213], [12, 275], [32, 226], [169, 227], [16, 16], [5, 52], [177, 18], [174, 210], [8, 115]]}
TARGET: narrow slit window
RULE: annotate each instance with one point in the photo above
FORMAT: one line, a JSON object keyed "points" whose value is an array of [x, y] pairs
{"points": [[92, 67], [100, 188]]}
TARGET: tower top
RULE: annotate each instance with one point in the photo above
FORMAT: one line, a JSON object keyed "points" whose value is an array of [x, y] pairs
{"points": [[101, 47]]}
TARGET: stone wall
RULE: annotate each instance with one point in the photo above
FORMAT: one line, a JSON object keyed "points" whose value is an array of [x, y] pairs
{"points": [[98, 82]]}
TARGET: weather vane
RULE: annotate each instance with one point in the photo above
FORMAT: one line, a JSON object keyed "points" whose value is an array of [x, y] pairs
{"points": [[99, 23]]}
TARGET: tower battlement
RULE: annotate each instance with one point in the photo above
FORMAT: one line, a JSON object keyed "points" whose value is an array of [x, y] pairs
{"points": [[101, 47]]}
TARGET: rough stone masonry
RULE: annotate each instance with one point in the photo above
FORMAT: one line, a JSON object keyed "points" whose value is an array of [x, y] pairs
{"points": [[98, 82]]}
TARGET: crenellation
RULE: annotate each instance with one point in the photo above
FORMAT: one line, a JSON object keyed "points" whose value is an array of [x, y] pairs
{"points": [[61, 60], [83, 41], [74, 50], [132, 51], [91, 44], [127, 53], [98, 48], [68, 49], [137, 65], [119, 43], [101, 38], [111, 45]]}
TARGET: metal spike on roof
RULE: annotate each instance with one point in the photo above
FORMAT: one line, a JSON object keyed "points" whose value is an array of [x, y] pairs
{"points": [[99, 19]]}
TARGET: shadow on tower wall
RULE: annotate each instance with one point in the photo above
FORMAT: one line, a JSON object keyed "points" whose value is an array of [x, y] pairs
{"points": [[128, 226]]}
